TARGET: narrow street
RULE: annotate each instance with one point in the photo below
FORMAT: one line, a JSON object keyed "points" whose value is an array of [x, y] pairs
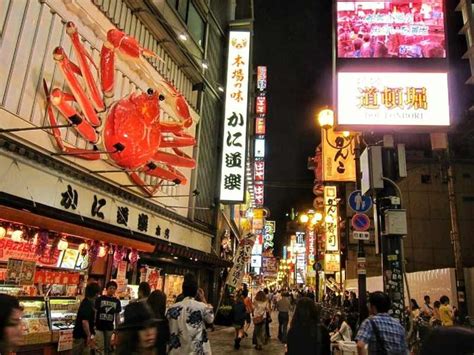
{"points": [[222, 341]]}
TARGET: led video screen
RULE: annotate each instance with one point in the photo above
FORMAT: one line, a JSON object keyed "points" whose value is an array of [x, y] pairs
{"points": [[390, 29]]}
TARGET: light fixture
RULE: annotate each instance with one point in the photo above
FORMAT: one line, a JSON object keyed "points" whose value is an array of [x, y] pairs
{"points": [[220, 88], [35, 239], [304, 218], [326, 118], [63, 244], [183, 36], [204, 64], [346, 134], [316, 218], [102, 251], [17, 235], [82, 247]]}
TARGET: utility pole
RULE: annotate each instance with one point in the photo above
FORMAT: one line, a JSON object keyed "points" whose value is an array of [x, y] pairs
{"points": [[456, 239]]}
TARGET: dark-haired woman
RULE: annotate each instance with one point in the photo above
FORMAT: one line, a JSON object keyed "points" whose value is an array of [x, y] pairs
{"points": [[239, 315], [307, 335], [11, 331], [137, 334], [157, 303]]}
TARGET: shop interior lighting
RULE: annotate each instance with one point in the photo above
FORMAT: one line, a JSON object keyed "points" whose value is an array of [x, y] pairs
{"points": [[102, 251], [3, 232], [63, 244], [17, 235]]}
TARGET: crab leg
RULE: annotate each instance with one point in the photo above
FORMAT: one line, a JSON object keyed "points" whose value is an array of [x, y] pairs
{"points": [[168, 173], [178, 159], [83, 153], [60, 100], [181, 140], [82, 57], [178, 105], [69, 71], [117, 40]]}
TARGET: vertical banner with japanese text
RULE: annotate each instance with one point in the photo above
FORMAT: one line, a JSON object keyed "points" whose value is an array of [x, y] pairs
{"points": [[242, 257], [232, 185], [337, 157], [331, 219]]}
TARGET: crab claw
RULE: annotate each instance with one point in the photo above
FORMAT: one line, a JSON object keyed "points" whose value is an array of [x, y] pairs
{"points": [[178, 104], [127, 44]]}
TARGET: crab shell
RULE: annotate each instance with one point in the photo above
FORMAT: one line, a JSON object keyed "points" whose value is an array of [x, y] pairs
{"points": [[133, 121]]}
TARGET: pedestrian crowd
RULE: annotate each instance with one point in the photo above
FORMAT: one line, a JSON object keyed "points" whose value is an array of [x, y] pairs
{"points": [[150, 328]]}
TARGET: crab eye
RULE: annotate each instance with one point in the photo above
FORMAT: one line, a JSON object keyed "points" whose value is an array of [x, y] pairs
{"points": [[161, 97], [150, 91]]}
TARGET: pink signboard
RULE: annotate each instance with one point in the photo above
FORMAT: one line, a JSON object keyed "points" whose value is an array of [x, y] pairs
{"points": [[390, 29]]}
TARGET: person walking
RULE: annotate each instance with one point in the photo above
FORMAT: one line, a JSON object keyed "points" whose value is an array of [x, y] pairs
{"points": [[108, 309], [11, 329], [187, 321], [260, 310], [137, 334], [268, 317], [382, 333], [307, 335], [283, 308], [446, 312], [248, 309], [84, 333], [435, 320], [239, 315], [157, 303]]}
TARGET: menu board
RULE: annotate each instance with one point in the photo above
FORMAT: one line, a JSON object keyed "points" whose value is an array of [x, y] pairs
{"points": [[390, 29]]}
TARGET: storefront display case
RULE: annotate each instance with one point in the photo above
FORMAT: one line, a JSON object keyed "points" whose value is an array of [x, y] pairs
{"points": [[35, 320], [63, 311]]}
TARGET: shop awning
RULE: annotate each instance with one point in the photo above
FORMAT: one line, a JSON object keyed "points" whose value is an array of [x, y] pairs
{"points": [[29, 218]]}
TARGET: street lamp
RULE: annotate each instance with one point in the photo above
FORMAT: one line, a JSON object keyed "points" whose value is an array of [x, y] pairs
{"points": [[326, 118], [304, 218], [317, 217]]}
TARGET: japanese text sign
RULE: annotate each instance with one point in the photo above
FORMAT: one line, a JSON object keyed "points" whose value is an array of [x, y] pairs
{"points": [[232, 186], [260, 126], [332, 263], [338, 157], [261, 78], [331, 219], [268, 235], [392, 99], [259, 170], [259, 191], [261, 105], [241, 259]]}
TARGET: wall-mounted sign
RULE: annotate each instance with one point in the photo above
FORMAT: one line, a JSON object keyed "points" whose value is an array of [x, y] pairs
{"points": [[261, 105], [256, 261], [332, 263], [268, 235], [259, 193], [232, 186], [310, 245], [390, 29], [332, 218], [338, 163], [259, 172], [259, 148], [391, 100], [260, 128], [261, 78]]}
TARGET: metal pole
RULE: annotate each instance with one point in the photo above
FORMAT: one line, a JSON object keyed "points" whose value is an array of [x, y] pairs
{"points": [[361, 274], [456, 240]]}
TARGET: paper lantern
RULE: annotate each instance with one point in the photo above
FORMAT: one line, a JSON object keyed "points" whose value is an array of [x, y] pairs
{"points": [[102, 251], [63, 244], [3, 232], [17, 235]]}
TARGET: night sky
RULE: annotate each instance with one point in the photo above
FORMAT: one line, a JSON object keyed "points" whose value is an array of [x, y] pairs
{"points": [[294, 42], [293, 39]]}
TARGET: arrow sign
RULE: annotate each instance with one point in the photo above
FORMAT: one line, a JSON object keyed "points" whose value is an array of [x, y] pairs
{"points": [[361, 235], [358, 202], [360, 222]]}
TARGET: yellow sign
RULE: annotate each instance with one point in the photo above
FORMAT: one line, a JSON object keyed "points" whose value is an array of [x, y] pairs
{"points": [[332, 263], [338, 156], [331, 219]]}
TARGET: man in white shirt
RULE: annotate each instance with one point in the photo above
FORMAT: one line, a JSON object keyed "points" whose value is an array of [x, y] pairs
{"points": [[187, 322]]}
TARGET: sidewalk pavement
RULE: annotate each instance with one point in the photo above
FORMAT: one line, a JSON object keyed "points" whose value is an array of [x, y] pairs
{"points": [[222, 341]]}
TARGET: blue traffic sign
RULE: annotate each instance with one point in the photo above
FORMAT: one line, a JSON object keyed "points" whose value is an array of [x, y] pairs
{"points": [[360, 222], [359, 203]]}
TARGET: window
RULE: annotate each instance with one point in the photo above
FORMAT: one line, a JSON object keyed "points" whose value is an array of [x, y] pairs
{"points": [[189, 14]]}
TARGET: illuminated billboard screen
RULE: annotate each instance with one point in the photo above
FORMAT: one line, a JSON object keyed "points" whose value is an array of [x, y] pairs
{"points": [[390, 29], [392, 99]]}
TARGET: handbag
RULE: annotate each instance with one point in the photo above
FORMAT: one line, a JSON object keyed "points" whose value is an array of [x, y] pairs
{"points": [[379, 339], [257, 319]]}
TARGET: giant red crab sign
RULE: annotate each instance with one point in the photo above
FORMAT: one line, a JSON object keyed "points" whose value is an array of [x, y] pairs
{"points": [[130, 130]]}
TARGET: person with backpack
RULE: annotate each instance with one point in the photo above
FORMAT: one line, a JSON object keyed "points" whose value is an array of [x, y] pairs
{"points": [[383, 334], [307, 335]]}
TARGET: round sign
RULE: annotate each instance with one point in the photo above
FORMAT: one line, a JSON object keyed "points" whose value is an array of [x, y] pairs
{"points": [[359, 203], [360, 222]]}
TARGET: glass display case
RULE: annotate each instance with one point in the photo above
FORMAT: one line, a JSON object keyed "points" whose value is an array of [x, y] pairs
{"points": [[35, 315], [63, 311]]}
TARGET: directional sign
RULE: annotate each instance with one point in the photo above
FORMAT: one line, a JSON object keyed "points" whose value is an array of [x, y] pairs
{"points": [[360, 222], [361, 235], [359, 203]]}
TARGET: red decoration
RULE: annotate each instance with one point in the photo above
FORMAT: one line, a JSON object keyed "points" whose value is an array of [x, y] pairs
{"points": [[132, 132]]}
